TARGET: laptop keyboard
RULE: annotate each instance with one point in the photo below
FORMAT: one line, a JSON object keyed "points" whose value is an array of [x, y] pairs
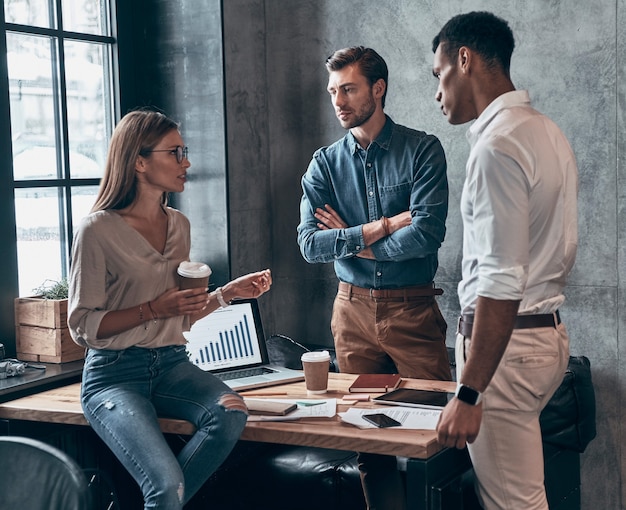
{"points": [[246, 372]]}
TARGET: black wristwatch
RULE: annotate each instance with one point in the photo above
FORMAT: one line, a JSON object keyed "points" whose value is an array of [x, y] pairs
{"points": [[468, 395]]}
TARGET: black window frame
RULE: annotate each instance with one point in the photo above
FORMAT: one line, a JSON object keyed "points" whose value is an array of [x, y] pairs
{"points": [[9, 287]]}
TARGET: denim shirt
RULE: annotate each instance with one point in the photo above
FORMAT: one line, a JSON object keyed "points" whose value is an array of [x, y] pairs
{"points": [[403, 169]]}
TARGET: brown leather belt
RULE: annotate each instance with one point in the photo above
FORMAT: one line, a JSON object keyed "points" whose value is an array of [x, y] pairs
{"points": [[542, 320], [399, 294]]}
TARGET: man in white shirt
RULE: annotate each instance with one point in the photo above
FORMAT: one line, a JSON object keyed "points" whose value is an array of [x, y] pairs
{"points": [[520, 236]]}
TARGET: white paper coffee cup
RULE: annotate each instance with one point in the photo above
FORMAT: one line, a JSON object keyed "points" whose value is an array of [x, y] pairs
{"points": [[192, 275], [315, 365]]}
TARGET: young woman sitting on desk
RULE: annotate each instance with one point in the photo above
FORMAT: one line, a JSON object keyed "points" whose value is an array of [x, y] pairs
{"points": [[126, 307]]}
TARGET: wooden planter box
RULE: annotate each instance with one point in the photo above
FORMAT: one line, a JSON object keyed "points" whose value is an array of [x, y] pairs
{"points": [[41, 331]]}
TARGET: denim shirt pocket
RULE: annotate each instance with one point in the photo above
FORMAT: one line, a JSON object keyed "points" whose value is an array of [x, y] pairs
{"points": [[395, 199]]}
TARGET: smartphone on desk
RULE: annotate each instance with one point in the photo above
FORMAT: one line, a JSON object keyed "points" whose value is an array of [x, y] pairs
{"points": [[381, 420]]}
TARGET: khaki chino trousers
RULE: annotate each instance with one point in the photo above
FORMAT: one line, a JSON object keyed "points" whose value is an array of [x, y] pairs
{"points": [[508, 455], [388, 335]]}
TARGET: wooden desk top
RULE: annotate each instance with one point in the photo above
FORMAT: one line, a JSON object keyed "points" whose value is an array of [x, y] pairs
{"points": [[35, 380], [62, 405]]}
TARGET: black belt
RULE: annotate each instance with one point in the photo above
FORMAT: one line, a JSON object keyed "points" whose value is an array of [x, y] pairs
{"points": [[403, 293], [542, 320]]}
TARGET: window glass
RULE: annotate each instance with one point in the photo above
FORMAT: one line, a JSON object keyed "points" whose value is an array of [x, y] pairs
{"points": [[88, 85], [33, 101], [29, 12], [62, 112], [83, 199], [86, 16], [39, 246]]}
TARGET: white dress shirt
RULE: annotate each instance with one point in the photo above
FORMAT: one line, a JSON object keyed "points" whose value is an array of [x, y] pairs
{"points": [[518, 207]]}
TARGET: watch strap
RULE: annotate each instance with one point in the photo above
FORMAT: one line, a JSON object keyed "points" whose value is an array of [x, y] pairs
{"points": [[468, 395], [220, 298]]}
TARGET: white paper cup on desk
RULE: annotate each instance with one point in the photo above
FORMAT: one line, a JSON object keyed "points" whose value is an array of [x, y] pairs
{"points": [[193, 275], [315, 365]]}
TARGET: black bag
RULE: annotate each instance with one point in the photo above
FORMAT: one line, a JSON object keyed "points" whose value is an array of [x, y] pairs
{"points": [[286, 352], [569, 419]]}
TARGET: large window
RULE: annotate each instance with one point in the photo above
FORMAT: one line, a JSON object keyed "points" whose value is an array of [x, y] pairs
{"points": [[59, 66]]}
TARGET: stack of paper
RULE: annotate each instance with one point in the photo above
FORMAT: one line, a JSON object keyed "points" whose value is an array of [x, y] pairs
{"points": [[306, 408], [409, 417]]}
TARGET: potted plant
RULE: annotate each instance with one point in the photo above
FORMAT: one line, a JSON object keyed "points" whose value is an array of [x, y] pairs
{"points": [[41, 325]]}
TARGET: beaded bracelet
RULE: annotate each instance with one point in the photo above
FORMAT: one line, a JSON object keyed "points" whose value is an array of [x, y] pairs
{"points": [[141, 317], [154, 315]]}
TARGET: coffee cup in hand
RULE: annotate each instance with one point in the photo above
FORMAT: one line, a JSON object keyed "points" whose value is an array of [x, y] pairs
{"points": [[315, 365], [193, 275]]}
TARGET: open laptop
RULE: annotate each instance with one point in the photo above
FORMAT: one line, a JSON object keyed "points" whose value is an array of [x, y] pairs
{"points": [[230, 343]]}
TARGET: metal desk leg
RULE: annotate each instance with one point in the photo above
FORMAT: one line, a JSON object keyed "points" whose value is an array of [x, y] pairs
{"points": [[435, 483]]}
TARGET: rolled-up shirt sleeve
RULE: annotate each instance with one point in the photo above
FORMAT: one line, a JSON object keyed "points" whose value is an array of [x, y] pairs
{"points": [[87, 296], [500, 213]]}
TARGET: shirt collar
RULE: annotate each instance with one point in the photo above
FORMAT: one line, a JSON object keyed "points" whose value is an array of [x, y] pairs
{"points": [[383, 139], [506, 100]]}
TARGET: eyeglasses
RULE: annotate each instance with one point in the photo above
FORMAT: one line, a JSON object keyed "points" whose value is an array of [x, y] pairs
{"points": [[179, 152]]}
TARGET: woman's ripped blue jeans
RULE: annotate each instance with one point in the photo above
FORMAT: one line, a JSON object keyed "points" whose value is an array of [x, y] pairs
{"points": [[123, 392]]}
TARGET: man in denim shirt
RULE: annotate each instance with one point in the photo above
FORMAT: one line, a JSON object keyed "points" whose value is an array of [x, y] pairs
{"points": [[375, 204]]}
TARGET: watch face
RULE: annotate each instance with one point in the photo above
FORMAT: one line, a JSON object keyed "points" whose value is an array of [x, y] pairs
{"points": [[468, 395]]}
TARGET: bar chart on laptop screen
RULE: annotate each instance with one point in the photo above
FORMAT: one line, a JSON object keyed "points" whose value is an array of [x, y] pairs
{"points": [[224, 339]]}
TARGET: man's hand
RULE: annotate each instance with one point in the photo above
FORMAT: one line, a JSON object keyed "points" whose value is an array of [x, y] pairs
{"points": [[329, 218], [366, 253], [459, 424], [372, 232], [399, 221]]}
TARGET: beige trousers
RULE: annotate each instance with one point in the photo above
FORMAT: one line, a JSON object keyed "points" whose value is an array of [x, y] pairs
{"points": [[507, 454]]}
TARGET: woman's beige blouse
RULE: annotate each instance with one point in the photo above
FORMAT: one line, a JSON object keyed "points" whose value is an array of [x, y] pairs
{"points": [[113, 268]]}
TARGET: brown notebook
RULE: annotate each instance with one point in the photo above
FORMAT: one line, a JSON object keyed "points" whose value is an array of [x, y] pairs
{"points": [[375, 383], [258, 406]]}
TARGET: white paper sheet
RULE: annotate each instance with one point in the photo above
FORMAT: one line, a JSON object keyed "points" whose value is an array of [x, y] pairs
{"points": [[307, 408], [410, 417]]}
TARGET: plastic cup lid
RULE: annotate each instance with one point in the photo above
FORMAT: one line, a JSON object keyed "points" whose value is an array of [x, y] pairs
{"points": [[194, 269], [316, 356]]}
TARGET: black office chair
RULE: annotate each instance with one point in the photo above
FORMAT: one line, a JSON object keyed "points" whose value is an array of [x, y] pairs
{"points": [[37, 476]]}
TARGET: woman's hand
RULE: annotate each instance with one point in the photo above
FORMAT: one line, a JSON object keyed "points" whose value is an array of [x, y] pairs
{"points": [[174, 302], [171, 303], [251, 285], [195, 303]]}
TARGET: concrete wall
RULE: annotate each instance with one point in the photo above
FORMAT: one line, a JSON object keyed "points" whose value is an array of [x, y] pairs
{"points": [[568, 56], [180, 71]]}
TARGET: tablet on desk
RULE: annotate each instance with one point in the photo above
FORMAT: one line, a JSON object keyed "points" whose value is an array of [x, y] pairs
{"points": [[409, 397]]}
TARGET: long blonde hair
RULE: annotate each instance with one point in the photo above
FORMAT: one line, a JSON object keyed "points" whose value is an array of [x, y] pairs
{"points": [[135, 135]]}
